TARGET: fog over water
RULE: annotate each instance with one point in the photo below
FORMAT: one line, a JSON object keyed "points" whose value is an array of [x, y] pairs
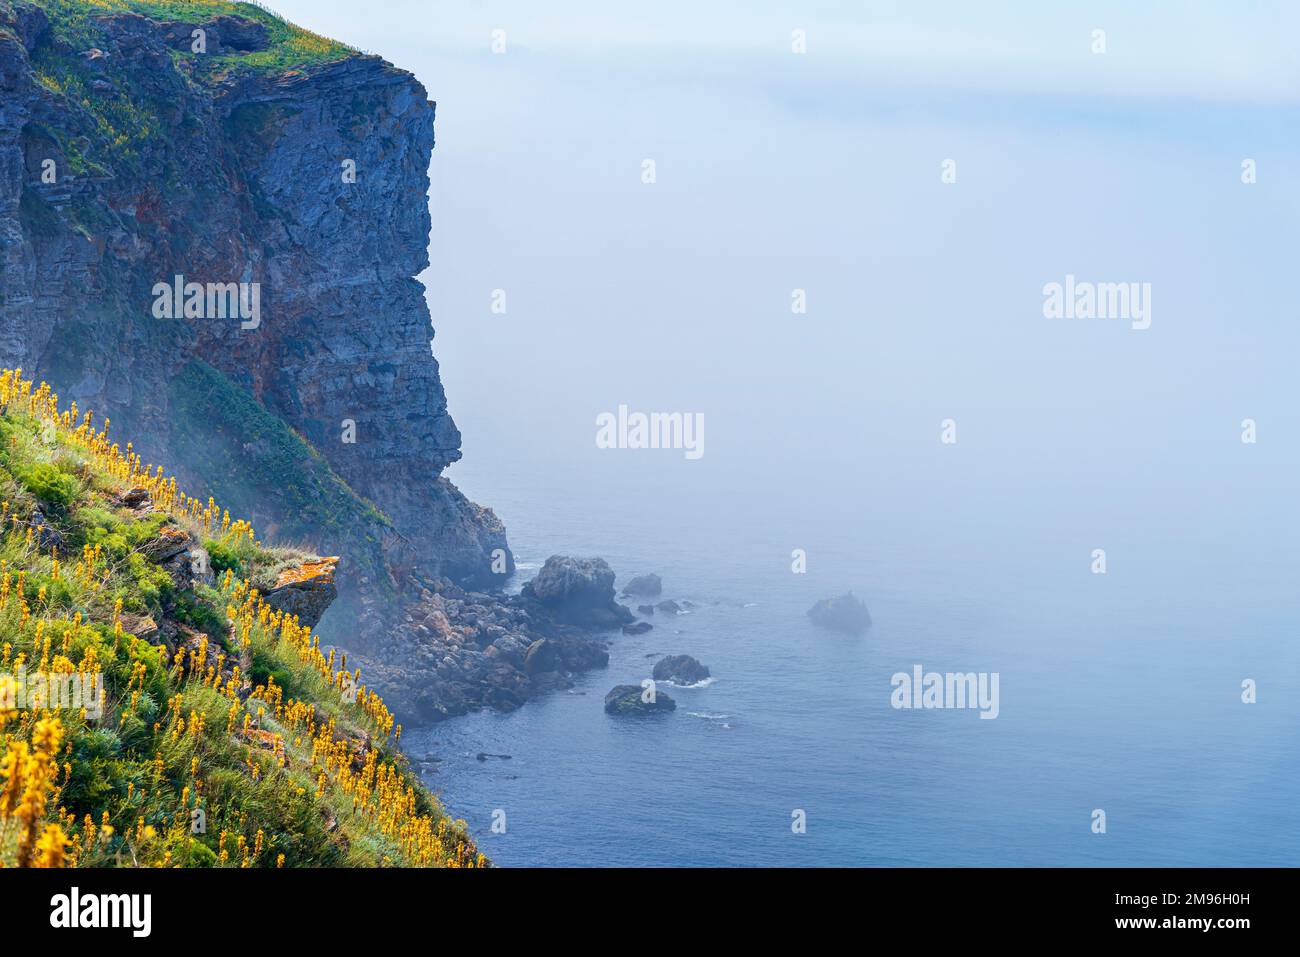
{"points": [[822, 172]]}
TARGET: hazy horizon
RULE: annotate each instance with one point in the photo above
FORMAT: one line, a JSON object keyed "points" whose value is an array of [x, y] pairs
{"points": [[823, 172]]}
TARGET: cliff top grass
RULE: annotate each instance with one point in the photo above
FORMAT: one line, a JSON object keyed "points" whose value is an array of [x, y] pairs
{"points": [[155, 710], [124, 120], [290, 46]]}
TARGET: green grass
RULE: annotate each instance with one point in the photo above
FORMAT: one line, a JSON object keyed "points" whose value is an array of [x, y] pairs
{"points": [[277, 760], [122, 125], [290, 46], [216, 424]]}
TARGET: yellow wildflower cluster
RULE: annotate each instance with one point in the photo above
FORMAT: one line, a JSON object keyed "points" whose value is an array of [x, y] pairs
{"points": [[27, 776], [283, 743], [126, 467]]}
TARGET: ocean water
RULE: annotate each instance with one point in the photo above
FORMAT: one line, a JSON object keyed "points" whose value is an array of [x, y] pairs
{"points": [[1119, 692]]}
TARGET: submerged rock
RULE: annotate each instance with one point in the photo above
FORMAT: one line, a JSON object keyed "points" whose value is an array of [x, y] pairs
{"points": [[627, 699], [845, 613], [645, 585], [680, 669], [669, 607], [637, 628]]}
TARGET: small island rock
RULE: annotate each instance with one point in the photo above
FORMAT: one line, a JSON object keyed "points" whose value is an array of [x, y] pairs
{"points": [[646, 585], [626, 699], [680, 670], [845, 613]]}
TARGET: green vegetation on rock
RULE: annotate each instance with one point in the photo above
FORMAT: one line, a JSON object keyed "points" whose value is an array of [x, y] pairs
{"points": [[240, 450], [221, 734]]}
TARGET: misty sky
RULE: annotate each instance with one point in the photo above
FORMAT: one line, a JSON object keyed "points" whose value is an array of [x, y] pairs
{"points": [[778, 171]]}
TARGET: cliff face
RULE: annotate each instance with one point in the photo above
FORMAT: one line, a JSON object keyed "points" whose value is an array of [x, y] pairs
{"points": [[274, 158]]}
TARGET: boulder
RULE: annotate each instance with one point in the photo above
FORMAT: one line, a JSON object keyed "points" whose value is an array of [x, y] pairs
{"points": [[669, 607], [680, 670], [542, 656], [637, 628], [627, 699], [645, 585], [168, 543], [135, 498], [579, 591], [142, 626], [845, 614], [510, 649]]}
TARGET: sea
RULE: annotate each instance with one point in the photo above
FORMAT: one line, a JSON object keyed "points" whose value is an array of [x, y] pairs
{"points": [[1119, 692], [801, 275]]}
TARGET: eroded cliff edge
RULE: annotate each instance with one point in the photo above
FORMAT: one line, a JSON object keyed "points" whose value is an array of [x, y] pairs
{"points": [[231, 165]]}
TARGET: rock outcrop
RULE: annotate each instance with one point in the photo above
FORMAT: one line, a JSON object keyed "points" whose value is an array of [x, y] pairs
{"points": [[579, 591], [680, 670], [630, 700], [647, 586], [305, 590], [845, 613]]}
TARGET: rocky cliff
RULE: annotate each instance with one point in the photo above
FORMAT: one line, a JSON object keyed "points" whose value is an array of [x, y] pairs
{"points": [[144, 141]]}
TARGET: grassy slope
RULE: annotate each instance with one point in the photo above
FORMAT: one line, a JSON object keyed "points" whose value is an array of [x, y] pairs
{"points": [[313, 499], [245, 718]]}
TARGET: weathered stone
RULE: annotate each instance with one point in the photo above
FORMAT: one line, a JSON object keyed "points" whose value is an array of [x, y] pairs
{"points": [[542, 656], [629, 700], [305, 590], [170, 542], [647, 586], [580, 590], [680, 670]]}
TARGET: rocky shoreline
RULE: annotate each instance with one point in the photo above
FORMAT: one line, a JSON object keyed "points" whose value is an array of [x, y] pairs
{"points": [[460, 650]]}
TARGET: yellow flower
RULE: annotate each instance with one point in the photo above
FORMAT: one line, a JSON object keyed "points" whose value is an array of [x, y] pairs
{"points": [[51, 846]]}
